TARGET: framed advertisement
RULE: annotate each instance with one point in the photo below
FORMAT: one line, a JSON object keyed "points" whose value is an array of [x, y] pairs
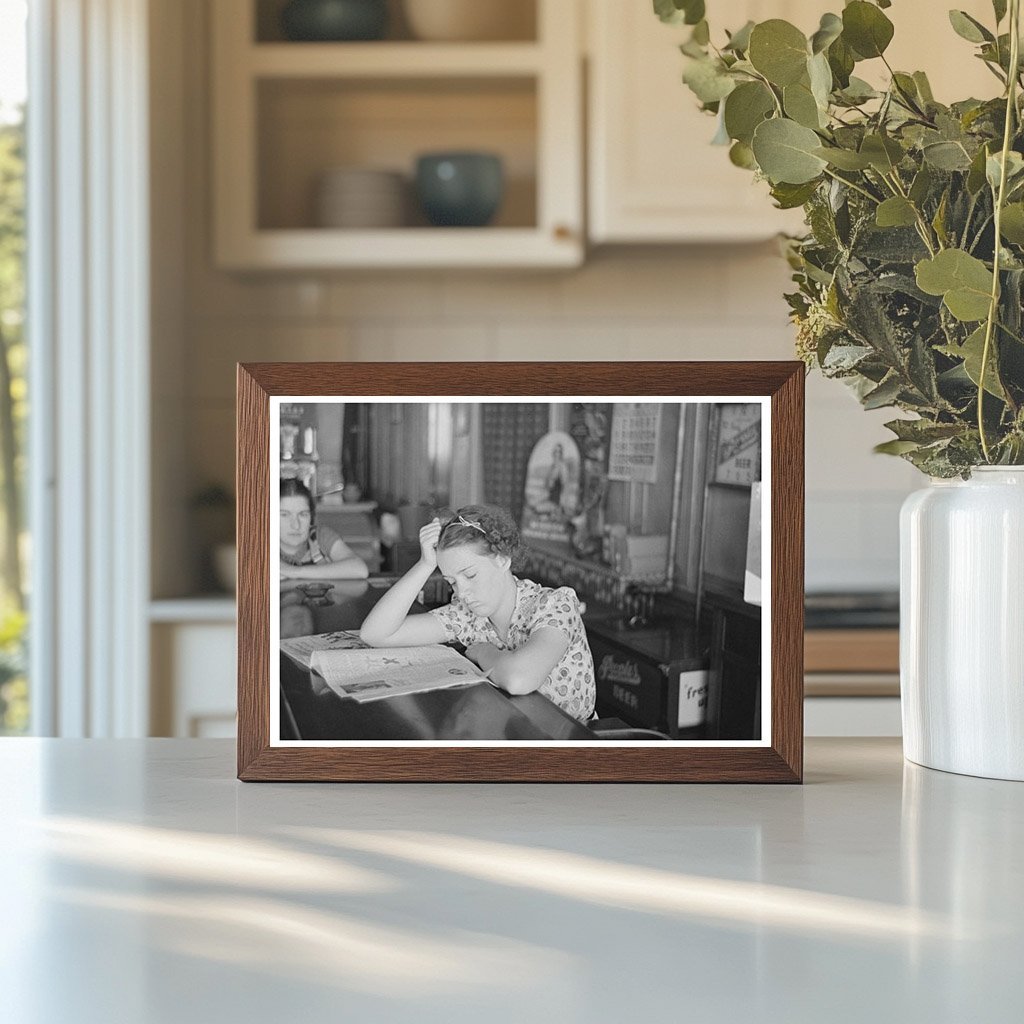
{"points": [[392, 626]]}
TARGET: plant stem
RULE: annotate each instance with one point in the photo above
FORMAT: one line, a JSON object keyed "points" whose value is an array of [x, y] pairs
{"points": [[1012, 334], [981, 231], [850, 184], [771, 90], [993, 308], [922, 225]]}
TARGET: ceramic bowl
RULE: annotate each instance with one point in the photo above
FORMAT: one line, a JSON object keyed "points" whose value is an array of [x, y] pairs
{"points": [[460, 189], [468, 20], [360, 197], [334, 20]]}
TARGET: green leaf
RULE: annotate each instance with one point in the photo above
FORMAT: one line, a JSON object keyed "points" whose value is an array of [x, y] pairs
{"points": [[885, 394], [844, 159], [895, 447], [994, 167], [858, 91], [742, 155], [921, 186], [820, 75], [923, 431], [1011, 226], [745, 108], [691, 48], [963, 281], [841, 60], [968, 28], [701, 33], [946, 156], [896, 212], [971, 352], [883, 153], [906, 88], [707, 80], [976, 174], [789, 197], [739, 41], [785, 152], [800, 105], [694, 11], [830, 28], [676, 12], [866, 29], [939, 220], [999, 7], [778, 50], [924, 88]]}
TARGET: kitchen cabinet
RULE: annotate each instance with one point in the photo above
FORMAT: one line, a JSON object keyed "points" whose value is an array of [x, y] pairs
{"points": [[192, 657], [286, 113], [653, 175]]}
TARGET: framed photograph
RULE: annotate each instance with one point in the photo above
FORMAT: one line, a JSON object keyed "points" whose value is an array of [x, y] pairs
{"points": [[519, 572]]}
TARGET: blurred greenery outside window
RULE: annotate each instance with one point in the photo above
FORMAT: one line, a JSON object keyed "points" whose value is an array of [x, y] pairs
{"points": [[14, 703]]}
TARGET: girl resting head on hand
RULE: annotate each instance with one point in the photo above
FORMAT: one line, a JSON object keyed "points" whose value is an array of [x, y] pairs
{"points": [[524, 637]]}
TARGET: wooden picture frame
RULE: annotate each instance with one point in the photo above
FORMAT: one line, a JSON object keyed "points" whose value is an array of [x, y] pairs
{"points": [[777, 756]]}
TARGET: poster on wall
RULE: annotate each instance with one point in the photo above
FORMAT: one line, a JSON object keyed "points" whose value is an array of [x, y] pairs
{"points": [[633, 454], [552, 493], [738, 458]]}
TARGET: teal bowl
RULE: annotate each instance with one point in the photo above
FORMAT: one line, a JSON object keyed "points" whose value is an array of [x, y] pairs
{"points": [[461, 190], [332, 21]]}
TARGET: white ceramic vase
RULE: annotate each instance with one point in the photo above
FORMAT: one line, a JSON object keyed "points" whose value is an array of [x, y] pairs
{"points": [[962, 624]]}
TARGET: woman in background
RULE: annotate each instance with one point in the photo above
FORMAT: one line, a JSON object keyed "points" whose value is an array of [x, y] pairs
{"points": [[523, 636], [309, 552]]}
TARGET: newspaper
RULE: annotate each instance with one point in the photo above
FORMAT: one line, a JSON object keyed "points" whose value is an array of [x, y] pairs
{"points": [[373, 673], [301, 648]]}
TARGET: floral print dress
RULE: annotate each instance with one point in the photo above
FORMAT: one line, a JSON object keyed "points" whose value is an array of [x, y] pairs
{"points": [[571, 682]]}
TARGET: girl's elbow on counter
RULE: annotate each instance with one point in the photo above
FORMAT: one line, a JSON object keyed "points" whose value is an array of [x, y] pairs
{"points": [[516, 683], [372, 638]]}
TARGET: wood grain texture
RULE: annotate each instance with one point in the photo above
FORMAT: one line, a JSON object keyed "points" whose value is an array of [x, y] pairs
{"points": [[654, 762], [787, 570], [252, 485], [852, 650]]}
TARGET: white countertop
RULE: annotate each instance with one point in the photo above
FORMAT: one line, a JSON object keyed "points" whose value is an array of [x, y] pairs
{"points": [[143, 884]]}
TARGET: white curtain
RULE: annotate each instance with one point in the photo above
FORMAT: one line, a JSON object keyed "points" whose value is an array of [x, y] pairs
{"points": [[88, 318]]}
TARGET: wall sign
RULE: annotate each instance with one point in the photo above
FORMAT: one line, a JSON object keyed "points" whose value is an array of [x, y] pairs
{"points": [[634, 445]]}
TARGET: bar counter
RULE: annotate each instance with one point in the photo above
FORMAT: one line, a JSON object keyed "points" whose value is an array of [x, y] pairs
{"points": [[311, 710]]}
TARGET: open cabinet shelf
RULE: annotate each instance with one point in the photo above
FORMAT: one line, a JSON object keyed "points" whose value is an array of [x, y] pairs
{"points": [[287, 114]]}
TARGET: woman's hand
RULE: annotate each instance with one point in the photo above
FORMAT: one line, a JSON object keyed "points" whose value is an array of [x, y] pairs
{"points": [[429, 536]]}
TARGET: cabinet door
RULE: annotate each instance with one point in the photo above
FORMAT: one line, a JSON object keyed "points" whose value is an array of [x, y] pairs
{"points": [[653, 174]]}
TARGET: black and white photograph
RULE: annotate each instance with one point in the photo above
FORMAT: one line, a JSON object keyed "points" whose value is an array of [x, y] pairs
{"points": [[550, 572]]}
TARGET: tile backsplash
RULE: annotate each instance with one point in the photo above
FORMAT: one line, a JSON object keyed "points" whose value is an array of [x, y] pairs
{"points": [[715, 302], [654, 302]]}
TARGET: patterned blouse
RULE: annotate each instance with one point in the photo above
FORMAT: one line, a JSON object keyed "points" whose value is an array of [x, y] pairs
{"points": [[571, 682]]}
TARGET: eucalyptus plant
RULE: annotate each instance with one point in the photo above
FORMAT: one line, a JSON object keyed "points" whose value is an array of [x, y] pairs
{"points": [[910, 278]]}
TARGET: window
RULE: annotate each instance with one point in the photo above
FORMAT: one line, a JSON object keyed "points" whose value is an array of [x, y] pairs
{"points": [[14, 705]]}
